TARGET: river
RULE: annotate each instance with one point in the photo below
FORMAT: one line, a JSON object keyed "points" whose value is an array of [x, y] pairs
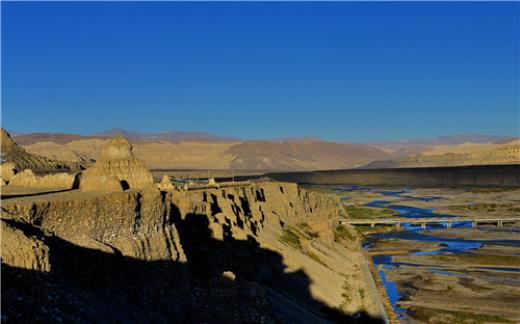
{"points": [[387, 264]]}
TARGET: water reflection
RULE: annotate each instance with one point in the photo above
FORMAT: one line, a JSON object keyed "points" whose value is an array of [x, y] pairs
{"points": [[414, 232]]}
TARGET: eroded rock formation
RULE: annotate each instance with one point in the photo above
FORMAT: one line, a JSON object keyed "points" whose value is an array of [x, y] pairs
{"points": [[259, 252], [7, 171], [166, 183], [28, 179], [117, 165], [14, 153], [23, 251]]}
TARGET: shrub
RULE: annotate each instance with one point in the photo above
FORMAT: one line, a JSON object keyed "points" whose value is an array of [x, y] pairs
{"points": [[342, 233], [290, 238]]}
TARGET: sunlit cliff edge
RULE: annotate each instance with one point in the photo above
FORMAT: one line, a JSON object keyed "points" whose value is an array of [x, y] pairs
{"points": [[111, 245]]}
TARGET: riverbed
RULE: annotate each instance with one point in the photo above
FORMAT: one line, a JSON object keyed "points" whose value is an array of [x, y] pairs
{"points": [[443, 275]]}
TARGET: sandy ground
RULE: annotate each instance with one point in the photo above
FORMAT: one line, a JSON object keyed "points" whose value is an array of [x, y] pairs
{"points": [[455, 288], [488, 202], [489, 232], [461, 292]]}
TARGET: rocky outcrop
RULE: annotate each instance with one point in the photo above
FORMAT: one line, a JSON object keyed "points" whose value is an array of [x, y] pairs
{"points": [[256, 252], [23, 251], [8, 170], [13, 153], [122, 220], [166, 183], [28, 179], [117, 162]]}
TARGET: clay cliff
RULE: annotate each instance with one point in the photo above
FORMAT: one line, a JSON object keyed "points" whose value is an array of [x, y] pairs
{"points": [[260, 252]]}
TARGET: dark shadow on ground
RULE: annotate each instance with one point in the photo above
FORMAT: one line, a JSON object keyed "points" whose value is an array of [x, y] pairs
{"points": [[39, 193], [90, 286]]}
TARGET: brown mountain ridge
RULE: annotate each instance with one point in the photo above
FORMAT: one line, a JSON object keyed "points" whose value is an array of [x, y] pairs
{"points": [[198, 150]]}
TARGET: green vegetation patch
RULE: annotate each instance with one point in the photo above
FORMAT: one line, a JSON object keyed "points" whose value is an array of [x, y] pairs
{"points": [[347, 299], [361, 292], [316, 258], [307, 232], [485, 207], [290, 238], [342, 233], [477, 259]]}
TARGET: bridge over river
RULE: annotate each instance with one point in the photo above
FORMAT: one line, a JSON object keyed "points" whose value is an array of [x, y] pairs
{"points": [[436, 220]]}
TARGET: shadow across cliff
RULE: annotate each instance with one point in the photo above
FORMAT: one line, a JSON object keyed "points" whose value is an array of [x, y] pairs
{"points": [[223, 281], [30, 194]]}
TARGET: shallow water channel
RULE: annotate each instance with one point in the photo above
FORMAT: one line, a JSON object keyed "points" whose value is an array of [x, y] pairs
{"points": [[413, 232]]}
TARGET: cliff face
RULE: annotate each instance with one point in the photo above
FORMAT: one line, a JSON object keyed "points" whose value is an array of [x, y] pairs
{"points": [[260, 252]]}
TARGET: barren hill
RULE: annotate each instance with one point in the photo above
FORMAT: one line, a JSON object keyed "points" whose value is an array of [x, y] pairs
{"points": [[286, 155], [416, 146], [462, 154], [197, 150], [173, 136], [60, 138], [301, 155], [12, 152]]}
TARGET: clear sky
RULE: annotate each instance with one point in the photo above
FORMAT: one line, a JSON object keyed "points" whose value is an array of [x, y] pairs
{"points": [[339, 70]]}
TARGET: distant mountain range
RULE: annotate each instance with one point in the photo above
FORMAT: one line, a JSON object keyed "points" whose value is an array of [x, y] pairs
{"points": [[199, 150], [467, 153], [178, 136], [416, 146], [453, 140], [172, 136]]}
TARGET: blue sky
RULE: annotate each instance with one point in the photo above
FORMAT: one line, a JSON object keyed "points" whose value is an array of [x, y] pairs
{"points": [[340, 70]]}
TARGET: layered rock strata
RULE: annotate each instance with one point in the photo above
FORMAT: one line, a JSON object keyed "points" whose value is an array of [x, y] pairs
{"points": [[118, 169], [259, 252], [7, 171], [166, 183], [28, 179], [15, 154]]}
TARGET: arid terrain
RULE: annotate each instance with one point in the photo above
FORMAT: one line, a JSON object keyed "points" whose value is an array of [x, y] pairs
{"points": [[108, 244], [431, 274], [108, 241], [506, 152], [188, 150], [194, 151], [270, 162]]}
